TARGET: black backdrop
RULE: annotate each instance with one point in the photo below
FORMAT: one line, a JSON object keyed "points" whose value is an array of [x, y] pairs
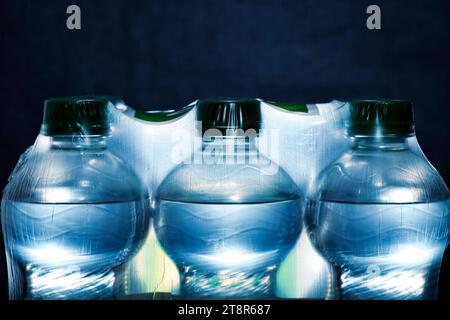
{"points": [[164, 54]]}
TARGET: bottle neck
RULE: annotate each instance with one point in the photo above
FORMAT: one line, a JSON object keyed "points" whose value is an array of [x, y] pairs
{"points": [[78, 142], [382, 143]]}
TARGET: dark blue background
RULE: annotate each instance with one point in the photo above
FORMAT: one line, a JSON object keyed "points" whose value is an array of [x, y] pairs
{"points": [[164, 54]]}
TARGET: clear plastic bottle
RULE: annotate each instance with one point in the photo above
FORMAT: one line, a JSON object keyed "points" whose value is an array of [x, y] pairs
{"points": [[228, 216], [72, 212], [380, 213]]}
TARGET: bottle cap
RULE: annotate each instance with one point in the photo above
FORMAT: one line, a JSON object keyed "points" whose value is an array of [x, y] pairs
{"points": [[76, 116], [373, 118], [229, 115], [162, 115]]}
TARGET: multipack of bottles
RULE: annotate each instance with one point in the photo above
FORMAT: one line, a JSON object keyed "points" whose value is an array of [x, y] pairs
{"points": [[225, 198]]}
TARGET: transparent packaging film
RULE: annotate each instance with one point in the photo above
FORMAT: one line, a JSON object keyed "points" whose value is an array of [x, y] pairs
{"points": [[379, 213], [72, 213], [228, 215], [208, 201], [153, 142]]}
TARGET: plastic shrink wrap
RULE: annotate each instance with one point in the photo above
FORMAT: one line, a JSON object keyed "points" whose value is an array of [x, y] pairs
{"points": [[302, 139], [154, 142], [228, 215], [72, 213], [117, 166], [379, 213]]}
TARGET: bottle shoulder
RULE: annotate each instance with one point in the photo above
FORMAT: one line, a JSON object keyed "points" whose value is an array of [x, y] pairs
{"points": [[73, 176], [368, 176], [263, 181]]}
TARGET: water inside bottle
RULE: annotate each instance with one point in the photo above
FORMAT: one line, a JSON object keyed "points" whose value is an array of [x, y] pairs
{"points": [[228, 250], [71, 251], [384, 251]]}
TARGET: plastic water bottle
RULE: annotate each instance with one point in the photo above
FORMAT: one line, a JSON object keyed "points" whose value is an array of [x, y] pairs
{"points": [[72, 212], [228, 215], [380, 213]]}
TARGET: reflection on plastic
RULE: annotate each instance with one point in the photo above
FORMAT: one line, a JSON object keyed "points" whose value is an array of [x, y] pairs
{"points": [[380, 212], [228, 222], [228, 250], [384, 251], [72, 213]]}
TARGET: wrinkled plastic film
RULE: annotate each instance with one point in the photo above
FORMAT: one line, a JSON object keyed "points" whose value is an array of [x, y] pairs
{"points": [[295, 136], [379, 212], [153, 148], [308, 142], [144, 166], [73, 214], [228, 215]]}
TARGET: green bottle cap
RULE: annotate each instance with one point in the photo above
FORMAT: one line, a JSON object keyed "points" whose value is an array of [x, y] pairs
{"points": [[229, 114], [291, 107], [76, 116], [373, 118], [154, 115], [162, 115]]}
